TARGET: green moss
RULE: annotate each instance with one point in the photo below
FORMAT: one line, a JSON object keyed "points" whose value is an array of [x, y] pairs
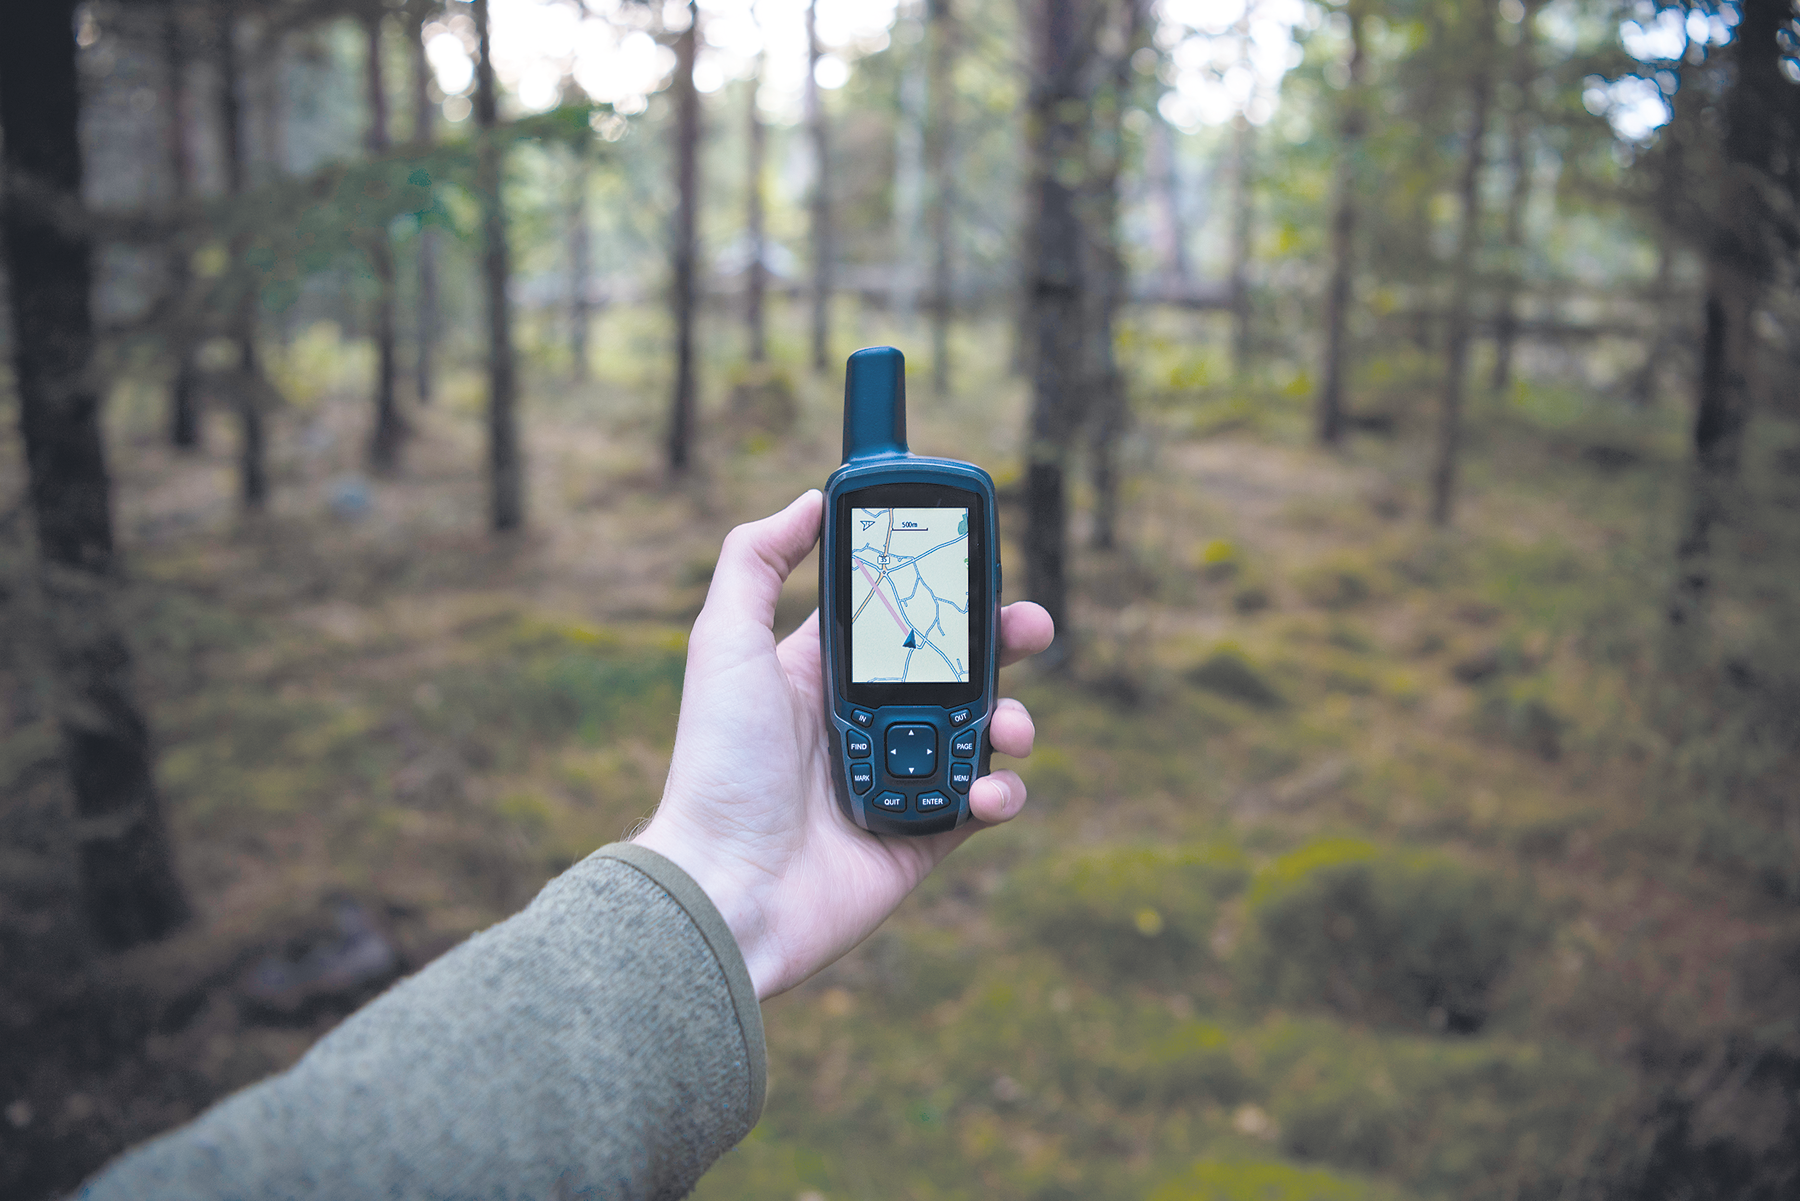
{"points": [[1265, 1180]]}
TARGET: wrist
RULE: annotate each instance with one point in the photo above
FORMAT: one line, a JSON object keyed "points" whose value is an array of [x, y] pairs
{"points": [[731, 888]]}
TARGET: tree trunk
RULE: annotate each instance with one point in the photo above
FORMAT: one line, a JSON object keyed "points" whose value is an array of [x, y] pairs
{"points": [[1518, 163], [580, 309], [129, 889], [271, 117], [909, 185], [184, 399], [1243, 202], [1643, 382], [270, 140], [1057, 292], [506, 491], [1760, 118], [253, 471], [424, 128], [1462, 281], [1329, 415], [940, 158], [756, 280], [687, 202], [822, 240], [1110, 413], [1170, 230], [389, 429]]}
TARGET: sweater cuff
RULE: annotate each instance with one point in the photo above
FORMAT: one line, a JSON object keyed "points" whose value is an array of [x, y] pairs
{"points": [[706, 918]]}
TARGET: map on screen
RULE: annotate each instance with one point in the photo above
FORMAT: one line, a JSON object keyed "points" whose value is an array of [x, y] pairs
{"points": [[909, 596]]}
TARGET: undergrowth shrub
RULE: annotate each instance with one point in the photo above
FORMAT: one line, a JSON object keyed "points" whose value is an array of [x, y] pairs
{"points": [[1337, 582], [1522, 713], [1140, 913], [1475, 1118], [1408, 937], [1227, 673]]}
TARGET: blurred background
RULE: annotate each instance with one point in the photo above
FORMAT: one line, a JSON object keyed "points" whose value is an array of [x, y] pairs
{"points": [[1392, 402]]}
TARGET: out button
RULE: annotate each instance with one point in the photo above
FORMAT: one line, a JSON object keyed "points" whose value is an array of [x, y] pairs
{"points": [[911, 752]]}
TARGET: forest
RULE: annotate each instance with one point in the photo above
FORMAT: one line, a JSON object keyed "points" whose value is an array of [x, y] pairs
{"points": [[1392, 404]]}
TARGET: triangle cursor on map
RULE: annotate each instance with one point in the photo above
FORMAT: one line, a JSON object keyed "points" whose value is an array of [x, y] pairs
{"points": [[912, 640]]}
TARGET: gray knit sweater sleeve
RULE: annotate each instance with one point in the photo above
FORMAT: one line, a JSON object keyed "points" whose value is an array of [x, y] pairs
{"points": [[604, 1043]]}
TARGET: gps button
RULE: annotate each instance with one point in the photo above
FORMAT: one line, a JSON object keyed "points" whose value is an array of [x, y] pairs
{"points": [[962, 743], [960, 717], [931, 802], [892, 802], [961, 776], [862, 777], [861, 717], [858, 745]]}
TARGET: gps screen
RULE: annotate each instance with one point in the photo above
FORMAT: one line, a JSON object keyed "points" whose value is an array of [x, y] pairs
{"points": [[909, 596]]}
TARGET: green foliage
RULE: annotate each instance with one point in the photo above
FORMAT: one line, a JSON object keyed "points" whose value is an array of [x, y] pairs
{"points": [[1409, 937], [1131, 913]]}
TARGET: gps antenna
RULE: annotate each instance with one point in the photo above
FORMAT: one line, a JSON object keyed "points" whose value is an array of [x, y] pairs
{"points": [[875, 403]]}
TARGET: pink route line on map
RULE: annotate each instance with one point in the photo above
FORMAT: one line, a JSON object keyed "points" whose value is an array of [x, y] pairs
{"points": [[898, 620]]}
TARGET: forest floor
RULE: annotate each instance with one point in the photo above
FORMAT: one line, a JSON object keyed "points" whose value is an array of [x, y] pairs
{"points": [[1361, 860]]}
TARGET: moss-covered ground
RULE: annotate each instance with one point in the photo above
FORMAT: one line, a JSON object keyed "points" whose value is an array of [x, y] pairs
{"points": [[1363, 859]]}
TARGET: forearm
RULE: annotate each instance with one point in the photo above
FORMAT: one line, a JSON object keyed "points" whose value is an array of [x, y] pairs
{"points": [[605, 1042]]}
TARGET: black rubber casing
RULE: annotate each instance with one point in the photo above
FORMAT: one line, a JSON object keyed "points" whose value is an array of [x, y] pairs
{"points": [[911, 704]]}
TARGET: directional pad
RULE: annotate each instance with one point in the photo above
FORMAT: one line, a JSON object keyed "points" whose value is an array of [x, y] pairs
{"points": [[911, 751]]}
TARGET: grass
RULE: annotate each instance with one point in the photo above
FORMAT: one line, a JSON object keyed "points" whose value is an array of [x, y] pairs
{"points": [[1363, 860]]}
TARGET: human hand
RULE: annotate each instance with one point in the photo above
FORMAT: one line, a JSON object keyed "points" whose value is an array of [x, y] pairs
{"points": [[749, 811]]}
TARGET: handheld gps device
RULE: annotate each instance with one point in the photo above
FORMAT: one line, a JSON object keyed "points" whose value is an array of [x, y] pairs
{"points": [[909, 615]]}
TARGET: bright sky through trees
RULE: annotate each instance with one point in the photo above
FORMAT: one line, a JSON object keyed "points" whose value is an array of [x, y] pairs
{"points": [[1224, 57]]}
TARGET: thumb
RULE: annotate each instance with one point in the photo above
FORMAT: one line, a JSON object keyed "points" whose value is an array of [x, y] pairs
{"points": [[757, 558]]}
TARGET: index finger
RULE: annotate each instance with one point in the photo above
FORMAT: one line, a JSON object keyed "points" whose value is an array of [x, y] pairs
{"points": [[1025, 629]]}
